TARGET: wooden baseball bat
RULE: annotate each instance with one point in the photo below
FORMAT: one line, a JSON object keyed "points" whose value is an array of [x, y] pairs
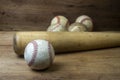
{"points": [[68, 41]]}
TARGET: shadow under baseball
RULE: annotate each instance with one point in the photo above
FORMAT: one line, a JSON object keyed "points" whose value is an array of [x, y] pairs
{"points": [[53, 68]]}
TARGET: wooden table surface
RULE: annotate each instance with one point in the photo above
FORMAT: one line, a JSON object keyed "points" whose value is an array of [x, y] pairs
{"points": [[85, 65]]}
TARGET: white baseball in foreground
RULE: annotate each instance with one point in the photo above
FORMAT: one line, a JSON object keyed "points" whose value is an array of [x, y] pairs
{"points": [[39, 54], [86, 20]]}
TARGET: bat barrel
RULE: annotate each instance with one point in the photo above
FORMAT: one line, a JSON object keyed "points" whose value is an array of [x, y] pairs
{"points": [[68, 41]]}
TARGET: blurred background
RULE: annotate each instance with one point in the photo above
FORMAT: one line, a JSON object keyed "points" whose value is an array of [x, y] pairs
{"points": [[26, 15]]}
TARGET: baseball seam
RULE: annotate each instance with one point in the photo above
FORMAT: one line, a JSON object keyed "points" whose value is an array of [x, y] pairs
{"points": [[83, 21], [50, 54], [35, 50], [55, 27], [58, 22]]}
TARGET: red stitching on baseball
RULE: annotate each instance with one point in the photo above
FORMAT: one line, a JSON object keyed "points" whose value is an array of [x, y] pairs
{"points": [[50, 54], [58, 22], [55, 27], [35, 46], [58, 19]]}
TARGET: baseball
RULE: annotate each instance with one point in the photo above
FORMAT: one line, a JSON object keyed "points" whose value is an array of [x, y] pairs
{"points": [[77, 27], [58, 20], [86, 20], [56, 28], [39, 54]]}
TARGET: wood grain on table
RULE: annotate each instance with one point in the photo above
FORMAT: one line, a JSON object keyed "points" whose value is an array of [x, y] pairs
{"points": [[85, 65]]}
